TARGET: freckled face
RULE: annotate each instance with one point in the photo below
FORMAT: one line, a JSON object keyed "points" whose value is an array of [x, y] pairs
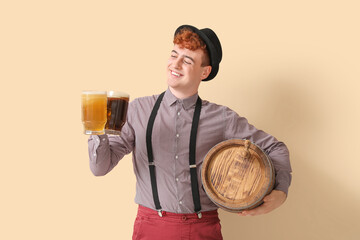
{"points": [[184, 70]]}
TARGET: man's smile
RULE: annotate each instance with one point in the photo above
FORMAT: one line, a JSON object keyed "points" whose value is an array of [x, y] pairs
{"points": [[175, 73]]}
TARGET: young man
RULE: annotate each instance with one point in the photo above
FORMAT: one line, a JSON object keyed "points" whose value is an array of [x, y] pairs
{"points": [[169, 135]]}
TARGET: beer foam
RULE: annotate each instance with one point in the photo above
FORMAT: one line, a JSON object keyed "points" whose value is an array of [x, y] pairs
{"points": [[117, 94], [94, 92]]}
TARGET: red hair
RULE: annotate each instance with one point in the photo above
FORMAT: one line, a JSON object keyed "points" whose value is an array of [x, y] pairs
{"points": [[190, 40]]}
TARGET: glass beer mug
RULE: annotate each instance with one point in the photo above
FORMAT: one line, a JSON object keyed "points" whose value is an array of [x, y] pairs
{"points": [[94, 113], [117, 105]]}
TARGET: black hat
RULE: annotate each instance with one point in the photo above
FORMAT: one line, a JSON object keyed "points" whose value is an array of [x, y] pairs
{"points": [[212, 44]]}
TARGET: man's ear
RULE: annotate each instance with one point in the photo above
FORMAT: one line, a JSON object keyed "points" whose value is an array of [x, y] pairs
{"points": [[206, 72]]}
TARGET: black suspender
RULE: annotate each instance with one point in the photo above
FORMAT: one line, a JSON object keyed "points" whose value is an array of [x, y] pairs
{"points": [[150, 152], [192, 156]]}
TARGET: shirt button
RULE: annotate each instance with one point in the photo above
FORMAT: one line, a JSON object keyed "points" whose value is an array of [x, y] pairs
{"points": [[178, 113], [177, 135], [180, 202], [177, 179], [176, 157], [103, 139], [94, 154]]}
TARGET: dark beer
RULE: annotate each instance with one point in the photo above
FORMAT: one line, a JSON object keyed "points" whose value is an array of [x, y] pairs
{"points": [[117, 105]]}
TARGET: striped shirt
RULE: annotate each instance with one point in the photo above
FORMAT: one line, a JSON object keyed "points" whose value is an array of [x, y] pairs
{"points": [[170, 140]]}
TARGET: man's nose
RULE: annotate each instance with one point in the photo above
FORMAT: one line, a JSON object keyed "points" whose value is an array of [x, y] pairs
{"points": [[177, 63]]}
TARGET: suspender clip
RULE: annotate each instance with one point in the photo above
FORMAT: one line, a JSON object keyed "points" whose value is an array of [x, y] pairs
{"points": [[193, 166], [159, 212], [199, 215]]}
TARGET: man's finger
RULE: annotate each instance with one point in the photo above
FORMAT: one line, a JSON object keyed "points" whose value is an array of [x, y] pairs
{"points": [[256, 211]]}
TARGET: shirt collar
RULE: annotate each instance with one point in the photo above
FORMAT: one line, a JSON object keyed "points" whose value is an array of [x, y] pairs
{"points": [[189, 102]]}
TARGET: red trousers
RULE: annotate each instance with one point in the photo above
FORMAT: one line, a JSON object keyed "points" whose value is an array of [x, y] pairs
{"points": [[172, 226]]}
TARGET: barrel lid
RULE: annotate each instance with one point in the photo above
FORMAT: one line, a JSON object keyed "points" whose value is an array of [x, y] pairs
{"points": [[237, 175]]}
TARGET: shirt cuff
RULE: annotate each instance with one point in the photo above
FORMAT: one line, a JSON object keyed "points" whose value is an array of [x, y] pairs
{"points": [[94, 143], [282, 181]]}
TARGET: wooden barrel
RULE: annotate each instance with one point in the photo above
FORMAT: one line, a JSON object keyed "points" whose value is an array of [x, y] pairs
{"points": [[237, 175]]}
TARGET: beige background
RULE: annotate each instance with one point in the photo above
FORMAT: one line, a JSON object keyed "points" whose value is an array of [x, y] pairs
{"points": [[290, 67]]}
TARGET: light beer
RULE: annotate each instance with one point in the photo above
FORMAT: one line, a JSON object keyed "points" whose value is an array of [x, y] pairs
{"points": [[117, 105], [93, 104]]}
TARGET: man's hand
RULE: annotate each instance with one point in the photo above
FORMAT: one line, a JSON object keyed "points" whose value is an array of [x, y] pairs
{"points": [[271, 202]]}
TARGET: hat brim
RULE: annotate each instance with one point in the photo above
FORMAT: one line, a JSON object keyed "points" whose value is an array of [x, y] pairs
{"points": [[210, 46]]}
